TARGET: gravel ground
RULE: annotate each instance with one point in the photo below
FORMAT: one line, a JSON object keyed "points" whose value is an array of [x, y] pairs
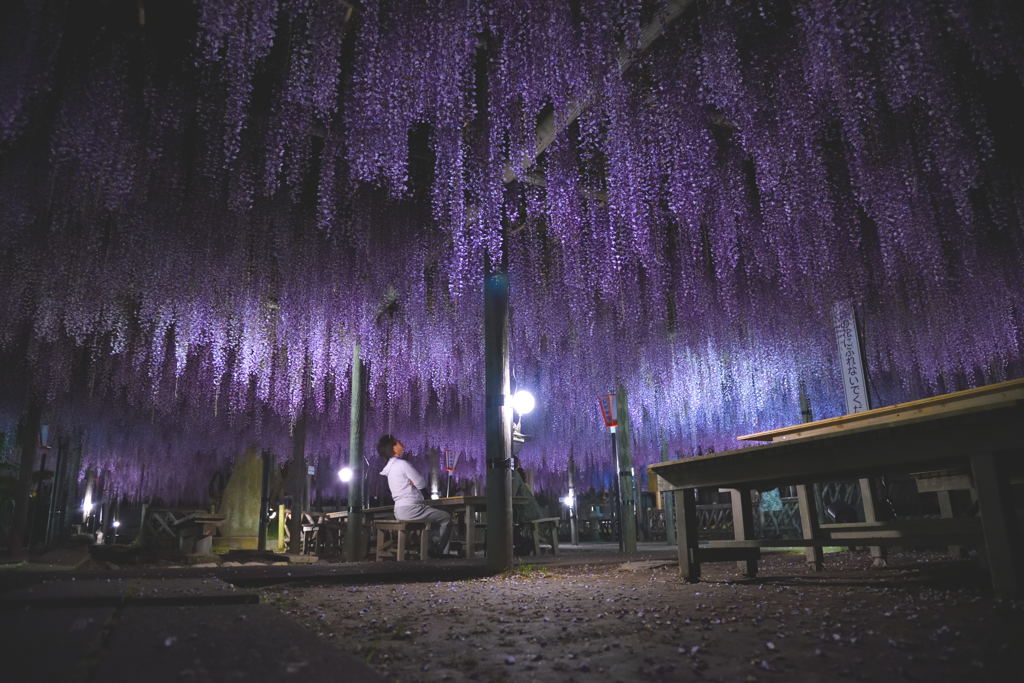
{"points": [[922, 618]]}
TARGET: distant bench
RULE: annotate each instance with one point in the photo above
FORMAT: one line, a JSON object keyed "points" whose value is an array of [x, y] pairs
{"points": [[191, 530], [393, 538]]}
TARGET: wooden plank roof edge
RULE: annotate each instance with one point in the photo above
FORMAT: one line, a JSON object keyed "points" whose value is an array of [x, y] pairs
{"points": [[851, 418], [785, 444]]}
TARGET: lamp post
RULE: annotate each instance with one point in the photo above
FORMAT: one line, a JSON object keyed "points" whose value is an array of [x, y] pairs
{"points": [[610, 417], [522, 404]]}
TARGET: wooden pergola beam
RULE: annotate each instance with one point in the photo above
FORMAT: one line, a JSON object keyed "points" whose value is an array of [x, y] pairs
{"points": [[551, 125]]}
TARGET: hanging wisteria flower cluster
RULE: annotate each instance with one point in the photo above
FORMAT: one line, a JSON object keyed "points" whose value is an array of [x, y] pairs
{"points": [[202, 214]]}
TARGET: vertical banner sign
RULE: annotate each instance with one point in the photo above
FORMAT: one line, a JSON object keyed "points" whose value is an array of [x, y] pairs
{"points": [[850, 361]]}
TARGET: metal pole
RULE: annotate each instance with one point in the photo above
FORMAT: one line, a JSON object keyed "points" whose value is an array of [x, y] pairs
{"points": [[354, 532], [498, 423], [261, 538]]}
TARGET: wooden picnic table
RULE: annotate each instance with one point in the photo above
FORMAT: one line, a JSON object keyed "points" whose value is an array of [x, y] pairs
{"points": [[195, 531], [977, 431]]}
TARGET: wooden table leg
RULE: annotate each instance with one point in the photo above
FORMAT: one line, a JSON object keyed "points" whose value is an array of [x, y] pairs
{"points": [[867, 499], [470, 522], [998, 523], [686, 533], [948, 511], [743, 526], [809, 526]]}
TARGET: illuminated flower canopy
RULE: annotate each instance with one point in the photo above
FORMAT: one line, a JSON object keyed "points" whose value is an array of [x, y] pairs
{"points": [[203, 212]]}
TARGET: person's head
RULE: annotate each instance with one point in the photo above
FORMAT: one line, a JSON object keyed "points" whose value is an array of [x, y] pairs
{"points": [[389, 447]]}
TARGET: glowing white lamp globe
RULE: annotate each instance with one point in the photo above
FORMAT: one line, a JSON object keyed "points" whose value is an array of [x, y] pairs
{"points": [[523, 402], [345, 474]]}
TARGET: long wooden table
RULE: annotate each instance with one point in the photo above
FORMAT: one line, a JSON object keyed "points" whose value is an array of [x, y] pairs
{"points": [[978, 430]]}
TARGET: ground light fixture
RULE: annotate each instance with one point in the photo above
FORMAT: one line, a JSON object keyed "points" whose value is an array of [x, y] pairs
{"points": [[523, 402]]}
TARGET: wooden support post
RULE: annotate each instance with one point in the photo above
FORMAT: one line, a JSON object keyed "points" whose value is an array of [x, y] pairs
{"points": [[574, 534], [998, 521], [669, 503], [498, 423], [686, 532], [298, 485], [69, 499], [355, 541], [809, 526], [28, 440], [742, 526], [627, 488], [261, 533]]}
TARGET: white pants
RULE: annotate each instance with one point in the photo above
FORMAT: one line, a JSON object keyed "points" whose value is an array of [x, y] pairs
{"points": [[440, 523]]}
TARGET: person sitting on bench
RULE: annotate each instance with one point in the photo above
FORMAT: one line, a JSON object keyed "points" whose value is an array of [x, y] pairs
{"points": [[523, 512], [405, 483]]}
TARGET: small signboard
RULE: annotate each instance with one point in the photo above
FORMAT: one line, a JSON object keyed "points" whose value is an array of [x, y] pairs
{"points": [[850, 362]]}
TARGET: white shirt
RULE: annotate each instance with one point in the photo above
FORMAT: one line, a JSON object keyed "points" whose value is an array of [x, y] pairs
{"points": [[404, 481]]}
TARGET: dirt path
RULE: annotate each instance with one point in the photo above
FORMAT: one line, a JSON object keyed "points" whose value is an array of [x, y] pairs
{"points": [[638, 622]]}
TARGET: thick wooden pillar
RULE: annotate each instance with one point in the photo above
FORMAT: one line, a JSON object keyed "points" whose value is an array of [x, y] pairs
{"points": [[69, 496], [298, 484], [28, 440], [355, 534], [627, 488], [498, 423]]}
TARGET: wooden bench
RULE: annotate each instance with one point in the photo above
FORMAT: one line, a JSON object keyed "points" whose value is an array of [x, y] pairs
{"points": [[393, 539], [543, 528], [191, 531]]}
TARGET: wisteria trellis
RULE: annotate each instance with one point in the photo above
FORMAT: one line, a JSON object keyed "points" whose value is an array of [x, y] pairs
{"points": [[202, 214]]}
